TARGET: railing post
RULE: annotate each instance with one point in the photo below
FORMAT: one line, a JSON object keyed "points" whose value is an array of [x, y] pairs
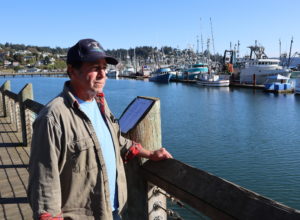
{"points": [[25, 93], [140, 193], [5, 86]]}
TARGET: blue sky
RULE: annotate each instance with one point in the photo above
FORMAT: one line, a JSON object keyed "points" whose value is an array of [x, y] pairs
{"points": [[130, 23]]}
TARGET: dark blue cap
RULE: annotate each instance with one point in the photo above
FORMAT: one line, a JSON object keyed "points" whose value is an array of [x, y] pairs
{"points": [[88, 50]]}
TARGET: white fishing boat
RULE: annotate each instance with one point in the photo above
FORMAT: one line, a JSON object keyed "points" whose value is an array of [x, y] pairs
{"points": [[258, 67], [112, 73], [214, 80], [128, 71]]}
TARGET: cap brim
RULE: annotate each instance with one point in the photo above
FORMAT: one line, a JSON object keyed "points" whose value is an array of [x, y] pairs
{"points": [[111, 60], [95, 57]]}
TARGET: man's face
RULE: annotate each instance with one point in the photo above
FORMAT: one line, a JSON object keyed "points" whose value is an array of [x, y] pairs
{"points": [[90, 78]]}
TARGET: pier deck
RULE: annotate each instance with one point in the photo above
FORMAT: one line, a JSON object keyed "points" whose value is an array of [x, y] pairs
{"points": [[14, 160]]}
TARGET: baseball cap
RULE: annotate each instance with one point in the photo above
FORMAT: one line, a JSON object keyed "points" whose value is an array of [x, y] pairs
{"points": [[88, 50]]}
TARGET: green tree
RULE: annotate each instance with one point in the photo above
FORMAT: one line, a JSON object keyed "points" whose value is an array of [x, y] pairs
{"points": [[18, 57], [60, 65], [47, 60]]}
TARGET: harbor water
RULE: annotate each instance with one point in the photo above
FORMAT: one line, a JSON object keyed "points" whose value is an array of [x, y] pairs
{"points": [[243, 135]]}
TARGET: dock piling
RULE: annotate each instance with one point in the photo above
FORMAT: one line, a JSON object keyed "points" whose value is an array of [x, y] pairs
{"points": [[142, 200]]}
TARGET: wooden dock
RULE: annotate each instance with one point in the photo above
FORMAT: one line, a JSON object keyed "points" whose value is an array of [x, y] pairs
{"points": [[13, 172]]}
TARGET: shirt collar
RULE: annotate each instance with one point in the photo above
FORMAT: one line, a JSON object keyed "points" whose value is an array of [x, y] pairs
{"points": [[71, 98]]}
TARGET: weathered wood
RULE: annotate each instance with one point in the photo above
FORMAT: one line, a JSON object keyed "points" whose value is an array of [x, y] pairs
{"points": [[24, 94], [13, 174], [148, 133], [11, 95], [5, 86], [33, 106], [213, 196]]}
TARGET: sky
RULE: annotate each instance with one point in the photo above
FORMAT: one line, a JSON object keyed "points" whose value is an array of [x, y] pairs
{"points": [[132, 23]]}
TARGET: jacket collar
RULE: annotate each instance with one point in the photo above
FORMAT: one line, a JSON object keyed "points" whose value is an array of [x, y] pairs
{"points": [[72, 101]]}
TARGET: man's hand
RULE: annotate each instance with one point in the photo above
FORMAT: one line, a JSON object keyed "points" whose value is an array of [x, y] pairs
{"points": [[138, 150], [160, 154]]}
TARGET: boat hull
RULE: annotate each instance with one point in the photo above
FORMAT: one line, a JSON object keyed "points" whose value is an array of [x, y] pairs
{"points": [[279, 87], [297, 87], [163, 78], [219, 83], [190, 76]]}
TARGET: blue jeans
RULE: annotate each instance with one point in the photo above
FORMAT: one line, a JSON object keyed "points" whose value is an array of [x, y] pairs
{"points": [[116, 215]]}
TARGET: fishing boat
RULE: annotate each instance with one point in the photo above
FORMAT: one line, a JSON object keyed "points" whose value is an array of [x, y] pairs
{"points": [[297, 86], [213, 80], [112, 73], [145, 71], [128, 71], [295, 71], [278, 84], [191, 72], [258, 67], [162, 75]]}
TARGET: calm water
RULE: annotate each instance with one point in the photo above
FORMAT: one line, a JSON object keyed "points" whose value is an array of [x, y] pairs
{"points": [[248, 137]]}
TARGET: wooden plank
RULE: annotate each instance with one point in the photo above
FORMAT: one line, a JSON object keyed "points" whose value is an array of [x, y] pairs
{"points": [[212, 195], [14, 161]]}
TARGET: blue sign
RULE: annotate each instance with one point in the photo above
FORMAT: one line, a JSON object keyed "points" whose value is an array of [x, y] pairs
{"points": [[134, 112]]}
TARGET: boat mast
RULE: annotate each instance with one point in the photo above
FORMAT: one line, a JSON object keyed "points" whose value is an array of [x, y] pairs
{"points": [[135, 63], [289, 60], [197, 45], [212, 36], [208, 53], [202, 52], [238, 50], [279, 49]]}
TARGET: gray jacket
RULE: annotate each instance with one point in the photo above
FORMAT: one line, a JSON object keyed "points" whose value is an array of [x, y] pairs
{"points": [[67, 173]]}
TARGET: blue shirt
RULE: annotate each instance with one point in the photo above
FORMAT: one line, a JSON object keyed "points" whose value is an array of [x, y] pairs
{"points": [[92, 110]]}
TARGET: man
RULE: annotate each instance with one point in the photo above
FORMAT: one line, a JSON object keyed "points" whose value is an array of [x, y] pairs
{"points": [[76, 162]]}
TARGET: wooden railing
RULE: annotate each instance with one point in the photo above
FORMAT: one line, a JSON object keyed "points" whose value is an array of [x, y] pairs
{"points": [[208, 194], [20, 109]]}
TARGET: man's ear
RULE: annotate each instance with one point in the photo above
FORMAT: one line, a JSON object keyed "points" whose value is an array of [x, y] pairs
{"points": [[70, 70]]}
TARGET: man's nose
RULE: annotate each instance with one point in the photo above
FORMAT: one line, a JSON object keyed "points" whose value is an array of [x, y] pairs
{"points": [[101, 73]]}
